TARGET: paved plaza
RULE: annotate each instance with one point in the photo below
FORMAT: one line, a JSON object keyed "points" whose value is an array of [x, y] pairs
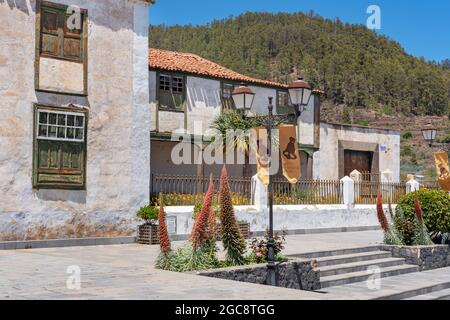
{"points": [[127, 272]]}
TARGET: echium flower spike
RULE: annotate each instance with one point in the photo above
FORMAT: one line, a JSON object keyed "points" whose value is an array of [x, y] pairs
{"points": [[201, 226], [164, 240], [418, 209], [380, 214]]}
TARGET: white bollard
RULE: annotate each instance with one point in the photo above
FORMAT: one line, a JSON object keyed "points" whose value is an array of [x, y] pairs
{"points": [[348, 186], [412, 185], [259, 193]]}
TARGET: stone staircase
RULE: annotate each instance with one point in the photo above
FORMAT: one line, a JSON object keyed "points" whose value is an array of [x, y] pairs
{"points": [[345, 266]]}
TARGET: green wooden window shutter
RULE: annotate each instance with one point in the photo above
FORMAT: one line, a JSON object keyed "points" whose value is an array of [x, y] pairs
{"points": [[171, 92]]}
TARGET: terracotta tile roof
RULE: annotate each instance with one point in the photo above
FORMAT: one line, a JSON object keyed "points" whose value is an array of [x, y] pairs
{"points": [[194, 64]]}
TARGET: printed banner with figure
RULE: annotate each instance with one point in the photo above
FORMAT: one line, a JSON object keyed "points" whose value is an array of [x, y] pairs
{"points": [[443, 172], [290, 157], [262, 154]]}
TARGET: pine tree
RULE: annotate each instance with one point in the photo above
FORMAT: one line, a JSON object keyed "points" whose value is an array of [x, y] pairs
{"points": [[232, 239]]}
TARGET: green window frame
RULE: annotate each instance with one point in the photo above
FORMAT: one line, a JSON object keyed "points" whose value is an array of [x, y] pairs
{"points": [[57, 39], [171, 90], [283, 102], [59, 148]]}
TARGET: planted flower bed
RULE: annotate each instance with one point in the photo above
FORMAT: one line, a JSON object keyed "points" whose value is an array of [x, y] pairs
{"points": [[419, 216]]}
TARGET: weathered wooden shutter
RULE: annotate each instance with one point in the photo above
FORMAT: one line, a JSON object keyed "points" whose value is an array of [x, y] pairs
{"points": [[60, 164], [72, 41], [51, 29]]}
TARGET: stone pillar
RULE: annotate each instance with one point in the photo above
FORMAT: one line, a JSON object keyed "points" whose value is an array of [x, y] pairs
{"points": [[259, 193], [356, 176], [348, 186], [412, 185]]}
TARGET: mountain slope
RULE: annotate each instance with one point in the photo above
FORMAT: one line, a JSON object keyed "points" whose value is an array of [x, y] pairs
{"points": [[354, 66]]}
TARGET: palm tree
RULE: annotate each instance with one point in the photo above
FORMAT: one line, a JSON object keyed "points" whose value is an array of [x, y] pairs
{"points": [[231, 119]]}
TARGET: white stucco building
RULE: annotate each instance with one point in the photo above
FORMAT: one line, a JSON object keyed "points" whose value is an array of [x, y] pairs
{"points": [[187, 92], [74, 137]]}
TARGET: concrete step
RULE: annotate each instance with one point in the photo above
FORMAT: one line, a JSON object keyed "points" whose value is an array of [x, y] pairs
{"points": [[354, 257], [359, 266], [338, 252], [352, 277], [435, 292]]}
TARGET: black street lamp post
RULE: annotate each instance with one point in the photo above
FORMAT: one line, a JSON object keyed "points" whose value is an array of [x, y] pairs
{"points": [[300, 93]]}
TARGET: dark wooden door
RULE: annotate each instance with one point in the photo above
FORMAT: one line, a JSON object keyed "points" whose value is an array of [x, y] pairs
{"points": [[359, 160]]}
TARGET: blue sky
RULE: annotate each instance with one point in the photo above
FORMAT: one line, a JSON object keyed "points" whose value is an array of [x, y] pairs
{"points": [[421, 27]]}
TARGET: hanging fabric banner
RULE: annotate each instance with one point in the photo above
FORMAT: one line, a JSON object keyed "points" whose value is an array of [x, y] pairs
{"points": [[443, 172], [262, 154], [290, 157]]}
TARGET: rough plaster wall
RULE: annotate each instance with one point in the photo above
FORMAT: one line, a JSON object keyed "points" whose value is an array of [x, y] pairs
{"points": [[203, 103], [170, 121], [62, 76], [326, 163], [261, 100], [306, 124], [152, 99], [115, 180]]}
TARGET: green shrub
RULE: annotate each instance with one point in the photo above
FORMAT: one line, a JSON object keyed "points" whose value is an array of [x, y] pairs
{"points": [[362, 122], [446, 139], [148, 213], [435, 205], [407, 135], [406, 151]]}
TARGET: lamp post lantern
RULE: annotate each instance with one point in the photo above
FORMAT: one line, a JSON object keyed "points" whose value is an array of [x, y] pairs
{"points": [[429, 134], [300, 94], [243, 97]]}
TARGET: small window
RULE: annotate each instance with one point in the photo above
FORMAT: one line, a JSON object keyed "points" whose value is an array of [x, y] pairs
{"points": [[171, 92], [61, 33], [283, 102], [227, 98], [59, 149]]}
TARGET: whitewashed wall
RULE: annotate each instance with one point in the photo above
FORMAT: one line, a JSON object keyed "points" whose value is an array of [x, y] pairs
{"points": [[306, 124], [118, 147], [291, 219], [326, 162]]}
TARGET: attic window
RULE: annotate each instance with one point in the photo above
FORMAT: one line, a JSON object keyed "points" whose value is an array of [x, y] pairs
{"points": [[171, 92]]}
